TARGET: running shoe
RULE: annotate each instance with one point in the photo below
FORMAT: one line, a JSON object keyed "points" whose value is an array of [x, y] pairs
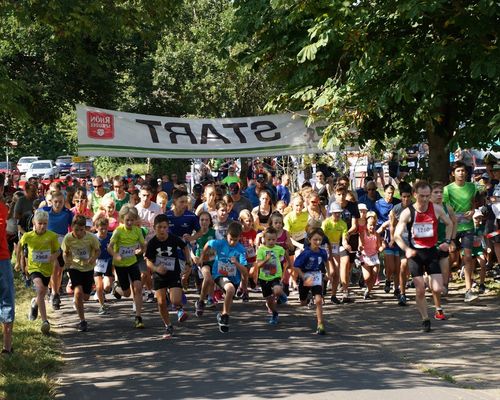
{"points": [[138, 324], [397, 293], [439, 315], [470, 296], [184, 299], [387, 286], [199, 307], [56, 301], [223, 321], [82, 326], [102, 310], [182, 315], [366, 294], [426, 325], [150, 297], [482, 288], [33, 314], [169, 332], [218, 295], [245, 297], [210, 303], [115, 293], [402, 300], [45, 328], [346, 299], [274, 319], [320, 330], [282, 299], [239, 293], [335, 300]]}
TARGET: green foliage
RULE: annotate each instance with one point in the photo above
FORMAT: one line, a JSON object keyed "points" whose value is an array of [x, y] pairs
{"points": [[380, 69]]}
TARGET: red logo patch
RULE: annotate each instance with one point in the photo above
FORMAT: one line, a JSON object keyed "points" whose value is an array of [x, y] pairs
{"points": [[100, 125]]}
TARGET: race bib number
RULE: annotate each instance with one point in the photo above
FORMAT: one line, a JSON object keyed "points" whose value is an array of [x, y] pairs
{"points": [[335, 249], [423, 230], [378, 165], [88, 223], [411, 164], [371, 260], [81, 254], [101, 266], [168, 262], [226, 269], [127, 252], [313, 278], [250, 252], [41, 256], [269, 269]]}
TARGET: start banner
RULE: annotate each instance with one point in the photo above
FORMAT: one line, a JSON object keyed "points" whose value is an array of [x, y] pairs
{"points": [[104, 132]]}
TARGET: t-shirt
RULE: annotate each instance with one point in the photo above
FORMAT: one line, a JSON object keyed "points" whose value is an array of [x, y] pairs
{"points": [[222, 264], [147, 217], [242, 204], [165, 252], [383, 208], [247, 239], [200, 244], [4, 248], [23, 206], [461, 199], [180, 225], [296, 224], [60, 222], [349, 212], [125, 242], [283, 193], [95, 201], [221, 228], [271, 269], [230, 179], [311, 261], [81, 250], [40, 248], [334, 231]]}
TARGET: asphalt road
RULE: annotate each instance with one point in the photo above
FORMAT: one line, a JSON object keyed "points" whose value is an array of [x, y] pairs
{"points": [[373, 350]]}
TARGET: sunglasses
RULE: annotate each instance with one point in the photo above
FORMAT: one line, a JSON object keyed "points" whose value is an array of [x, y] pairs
{"points": [[97, 186]]}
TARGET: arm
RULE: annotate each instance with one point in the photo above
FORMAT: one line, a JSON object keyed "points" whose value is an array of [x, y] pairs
{"points": [[403, 220], [449, 227], [112, 252]]}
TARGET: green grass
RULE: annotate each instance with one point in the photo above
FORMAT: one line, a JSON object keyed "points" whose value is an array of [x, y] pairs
{"points": [[30, 373], [436, 373]]}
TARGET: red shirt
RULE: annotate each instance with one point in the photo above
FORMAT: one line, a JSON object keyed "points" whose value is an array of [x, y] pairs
{"points": [[423, 232], [247, 239], [4, 248]]}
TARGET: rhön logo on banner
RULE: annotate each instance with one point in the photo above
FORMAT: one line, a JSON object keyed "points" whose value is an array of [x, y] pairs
{"points": [[100, 125]]}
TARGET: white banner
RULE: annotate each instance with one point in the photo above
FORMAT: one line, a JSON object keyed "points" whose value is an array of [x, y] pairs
{"points": [[112, 133]]}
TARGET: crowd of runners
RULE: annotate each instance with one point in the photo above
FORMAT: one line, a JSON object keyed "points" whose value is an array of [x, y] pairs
{"points": [[153, 239]]}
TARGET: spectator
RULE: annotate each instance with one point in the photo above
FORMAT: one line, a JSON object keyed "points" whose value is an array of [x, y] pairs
{"points": [[231, 177], [253, 192], [239, 202], [166, 185], [25, 203], [370, 196], [282, 189]]}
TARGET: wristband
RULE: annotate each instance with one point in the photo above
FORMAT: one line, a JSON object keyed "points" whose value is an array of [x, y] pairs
{"points": [[447, 241]]}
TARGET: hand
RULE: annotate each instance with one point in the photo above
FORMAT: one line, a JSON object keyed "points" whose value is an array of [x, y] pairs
{"points": [[138, 251], [233, 260], [452, 247], [391, 243], [117, 257], [161, 269], [444, 247], [410, 253], [308, 281], [469, 214], [186, 237]]}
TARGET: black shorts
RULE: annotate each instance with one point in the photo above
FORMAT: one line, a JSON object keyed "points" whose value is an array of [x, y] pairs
{"points": [[60, 260], [83, 279], [109, 270], [443, 254], [304, 290], [464, 240], [169, 280], [221, 281], [127, 274], [45, 279], [268, 286], [426, 260], [353, 242]]}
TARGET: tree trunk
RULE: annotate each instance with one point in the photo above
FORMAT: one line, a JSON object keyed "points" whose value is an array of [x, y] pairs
{"points": [[439, 160], [244, 172]]}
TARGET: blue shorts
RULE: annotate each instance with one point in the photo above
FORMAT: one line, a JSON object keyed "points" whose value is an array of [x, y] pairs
{"points": [[7, 292], [393, 251]]}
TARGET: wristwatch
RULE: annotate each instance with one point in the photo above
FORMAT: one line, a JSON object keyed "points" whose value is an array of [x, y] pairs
{"points": [[447, 241]]}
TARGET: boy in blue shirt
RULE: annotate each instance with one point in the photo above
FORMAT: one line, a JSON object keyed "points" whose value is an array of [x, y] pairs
{"points": [[309, 266], [229, 265]]}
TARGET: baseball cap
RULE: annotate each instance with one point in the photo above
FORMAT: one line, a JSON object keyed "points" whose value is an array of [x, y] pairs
{"points": [[335, 207], [477, 213], [485, 176], [362, 206], [260, 177]]}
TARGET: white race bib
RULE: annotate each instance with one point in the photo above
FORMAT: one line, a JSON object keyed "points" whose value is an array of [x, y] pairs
{"points": [[422, 230], [101, 266], [127, 252], [226, 269], [371, 260], [168, 262], [411, 164], [81, 253], [88, 223], [335, 249], [41, 256], [298, 236], [250, 252], [316, 276]]}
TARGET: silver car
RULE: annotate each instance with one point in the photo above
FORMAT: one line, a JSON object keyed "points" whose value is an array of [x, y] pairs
{"points": [[24, 163], [44, 169]]}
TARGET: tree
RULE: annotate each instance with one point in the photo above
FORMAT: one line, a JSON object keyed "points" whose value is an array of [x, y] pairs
{"points": [[377, 69]]}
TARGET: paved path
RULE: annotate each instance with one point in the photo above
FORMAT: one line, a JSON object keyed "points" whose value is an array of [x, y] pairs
{"points": [[373, 350]]}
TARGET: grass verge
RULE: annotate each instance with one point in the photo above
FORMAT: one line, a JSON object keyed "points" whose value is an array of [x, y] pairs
{"points": [[436, 373], [29, 372]]}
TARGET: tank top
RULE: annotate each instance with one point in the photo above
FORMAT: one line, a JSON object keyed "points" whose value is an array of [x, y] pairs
{"points": [[370, 244], [442, 227], [422, 228], [282, 239], [264, 219]]}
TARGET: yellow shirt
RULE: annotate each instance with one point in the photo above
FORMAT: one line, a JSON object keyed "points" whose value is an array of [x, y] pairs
{"points": [[81, 250], [334, 231], [40, 248], [125, 242], [296, 224]]}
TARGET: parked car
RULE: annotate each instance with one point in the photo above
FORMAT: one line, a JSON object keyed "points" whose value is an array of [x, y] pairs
{"points": [[24, 163], [9, 170], [83, 169], [44, 169], [64, 164]]}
